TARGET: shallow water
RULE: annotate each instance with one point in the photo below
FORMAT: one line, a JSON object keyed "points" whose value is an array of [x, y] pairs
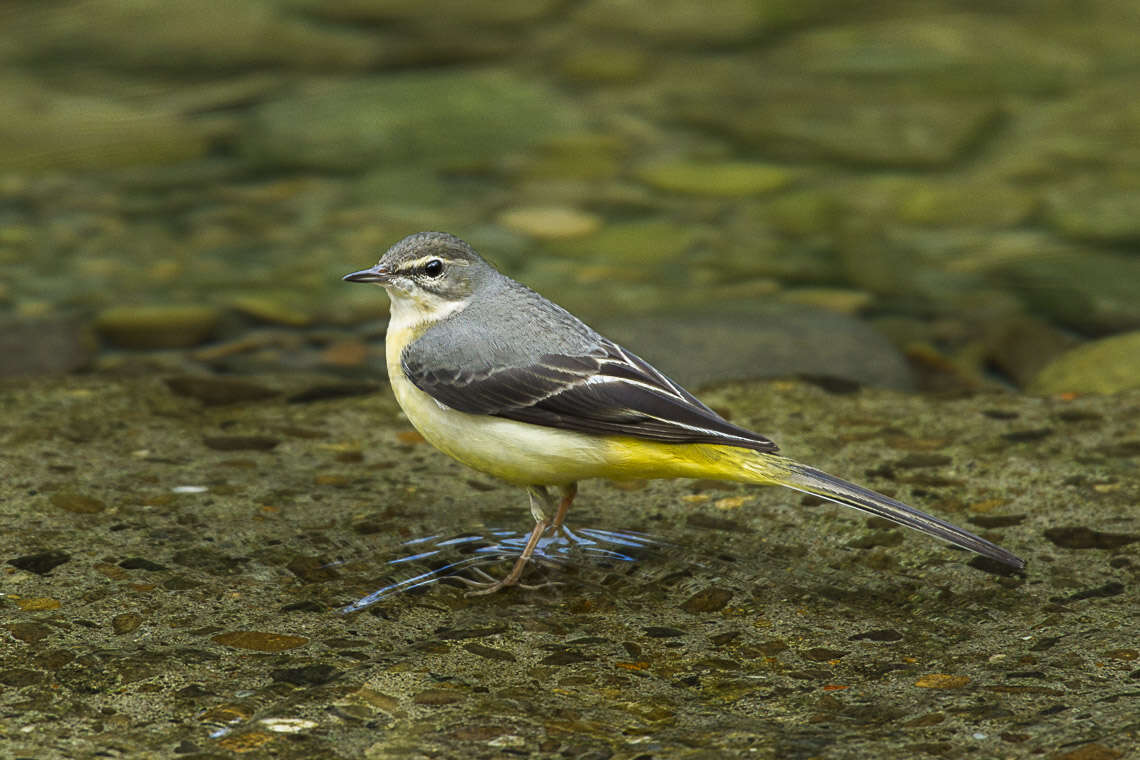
{"points": [[455, 556], [149, 617]]}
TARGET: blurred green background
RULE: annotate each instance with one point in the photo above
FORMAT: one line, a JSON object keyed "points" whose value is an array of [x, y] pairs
{"points": [[935, 196]]}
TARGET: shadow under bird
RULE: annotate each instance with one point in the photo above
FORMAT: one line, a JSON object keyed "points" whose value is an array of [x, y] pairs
{"points": [[498, 377]]}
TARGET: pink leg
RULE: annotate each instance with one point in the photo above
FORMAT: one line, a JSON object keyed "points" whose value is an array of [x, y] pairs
{"points": [[516, 572], [539, 498], [568, 494]]}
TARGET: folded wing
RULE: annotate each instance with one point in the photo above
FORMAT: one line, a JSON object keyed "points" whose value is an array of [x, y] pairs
{"points": [[607, 391]]}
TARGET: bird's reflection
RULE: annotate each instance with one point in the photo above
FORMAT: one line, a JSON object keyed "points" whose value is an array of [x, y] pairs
{"points": [[478, 550]]}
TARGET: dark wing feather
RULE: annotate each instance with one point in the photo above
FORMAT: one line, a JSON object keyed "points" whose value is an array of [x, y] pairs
{"points": [[608, 391]]}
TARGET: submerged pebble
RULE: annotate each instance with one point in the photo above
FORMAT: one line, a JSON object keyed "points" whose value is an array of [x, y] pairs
{"points": [[146, 327], [260, 641]]}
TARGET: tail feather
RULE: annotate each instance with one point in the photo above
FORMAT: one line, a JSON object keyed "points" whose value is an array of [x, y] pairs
{"points": [[818, 483]]}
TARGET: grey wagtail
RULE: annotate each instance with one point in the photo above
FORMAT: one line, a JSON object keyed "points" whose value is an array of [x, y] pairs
{"points": [[498, 377]]}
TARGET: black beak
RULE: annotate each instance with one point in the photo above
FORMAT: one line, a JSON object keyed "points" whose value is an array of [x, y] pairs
{"points": [[375, 274]]}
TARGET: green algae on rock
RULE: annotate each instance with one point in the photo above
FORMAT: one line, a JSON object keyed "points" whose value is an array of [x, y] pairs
{"points": [[43, 129], [439, 119], [724, 178], [1109, 365]]}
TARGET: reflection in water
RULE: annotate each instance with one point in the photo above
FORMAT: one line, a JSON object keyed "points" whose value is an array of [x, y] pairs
{"points": [[479, 550]]}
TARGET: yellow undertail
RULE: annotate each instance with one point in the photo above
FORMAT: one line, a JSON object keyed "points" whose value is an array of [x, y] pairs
{"points": [[644, 459]]}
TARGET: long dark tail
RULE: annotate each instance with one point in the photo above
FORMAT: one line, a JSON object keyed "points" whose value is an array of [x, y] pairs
{"points": [[785, 472]]}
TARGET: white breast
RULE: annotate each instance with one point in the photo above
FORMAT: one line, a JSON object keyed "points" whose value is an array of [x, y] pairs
{"points": [[514, 451]]}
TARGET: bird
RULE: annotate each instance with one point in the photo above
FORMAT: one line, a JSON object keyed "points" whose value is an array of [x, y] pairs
{"points": [[512, 385]]}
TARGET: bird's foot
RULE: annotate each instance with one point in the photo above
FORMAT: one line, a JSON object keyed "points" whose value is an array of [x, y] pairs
{"points": [[487, 584], [542, 526]]}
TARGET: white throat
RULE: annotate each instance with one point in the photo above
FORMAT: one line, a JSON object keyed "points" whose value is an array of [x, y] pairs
{"points": [[412, 313]]}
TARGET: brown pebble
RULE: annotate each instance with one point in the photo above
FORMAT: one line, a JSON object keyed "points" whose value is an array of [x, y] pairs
{"points": [[125, 623], [822, 654], [709, 600], [216, 391], [1122, 654], [270, 310], [997, 521], [377, 700], [227, 713], [433, 647], [1080, 537], [773, 647], [489, 652], [722, 639], [29, 633], [1092, 751], [41, 563], [17, 677], [332, 391], [245, 742], [565, 658], [77, 503], [54, 659], [241, 443], [225, 350], [312, 569], [309, 675], [985, 505], [346, 354], [942, 681], [410, 437], [438, 697], [111, 571], [157, 326], [259, 641], [1028, 436]]}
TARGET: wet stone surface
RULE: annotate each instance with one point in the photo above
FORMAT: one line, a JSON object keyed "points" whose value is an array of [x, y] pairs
{"points": [[195, 612]]}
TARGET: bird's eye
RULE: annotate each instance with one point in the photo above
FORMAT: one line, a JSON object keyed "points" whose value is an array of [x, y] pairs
{"points": [[433, 268]]}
